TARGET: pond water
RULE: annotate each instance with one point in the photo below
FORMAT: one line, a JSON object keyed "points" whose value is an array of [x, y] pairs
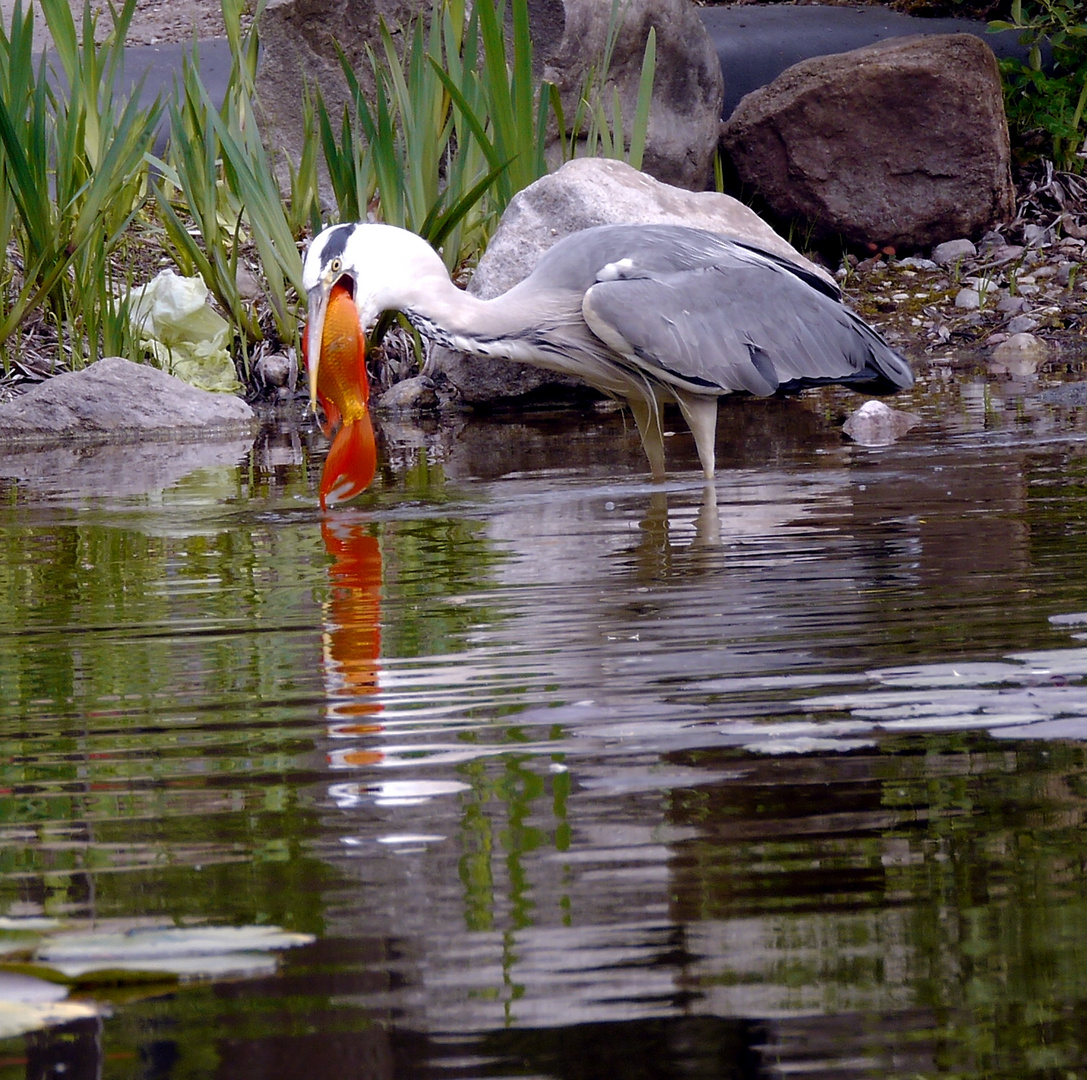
{"points": [[568, 775]]}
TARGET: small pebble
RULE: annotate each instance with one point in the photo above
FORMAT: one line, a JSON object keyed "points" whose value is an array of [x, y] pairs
{"points": [[409, 395], [1022, 324], [1011, 305], [1037, 235], [915, 262], [1006, 253], [248, 286], [953, 251], [274, 369]]}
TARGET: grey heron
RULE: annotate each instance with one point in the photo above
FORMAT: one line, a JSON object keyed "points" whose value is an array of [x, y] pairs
{"points": [[648, 313]]}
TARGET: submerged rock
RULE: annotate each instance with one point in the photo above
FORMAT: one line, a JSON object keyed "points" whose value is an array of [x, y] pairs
{"points": [[1019, 354]]}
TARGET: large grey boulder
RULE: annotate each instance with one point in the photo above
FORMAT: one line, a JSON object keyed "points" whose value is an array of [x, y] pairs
{"points": [[299, 41], [901, 143], [298, 52], [117, 397], [583, 193], [684, 118]]}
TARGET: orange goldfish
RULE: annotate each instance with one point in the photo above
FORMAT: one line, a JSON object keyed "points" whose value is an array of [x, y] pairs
{"points": [[338, 381]]}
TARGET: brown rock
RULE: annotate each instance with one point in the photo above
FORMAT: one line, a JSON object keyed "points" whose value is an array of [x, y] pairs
{"points": [[902, 143]]}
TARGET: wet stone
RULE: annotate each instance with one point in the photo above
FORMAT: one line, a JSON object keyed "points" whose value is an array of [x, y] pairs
{"points": [[410, 394], [877, 424]]}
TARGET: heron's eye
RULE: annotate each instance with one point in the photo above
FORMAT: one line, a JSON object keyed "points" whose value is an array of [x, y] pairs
{"points": [[336, 265]]}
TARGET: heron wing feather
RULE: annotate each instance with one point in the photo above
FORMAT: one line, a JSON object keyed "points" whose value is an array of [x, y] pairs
{"points": [[738, 324]]}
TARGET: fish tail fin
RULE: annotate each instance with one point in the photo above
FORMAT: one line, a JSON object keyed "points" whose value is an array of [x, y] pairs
{"points": [[351, 462]]}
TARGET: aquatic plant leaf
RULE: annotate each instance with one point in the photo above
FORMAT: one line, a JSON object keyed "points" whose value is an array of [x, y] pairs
{"points": [[17, 986], [144, 969], [19, 1018], [161, 944]]}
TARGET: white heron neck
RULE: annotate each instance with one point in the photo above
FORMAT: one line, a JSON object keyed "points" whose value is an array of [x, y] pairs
{"points": [[454, 318]]}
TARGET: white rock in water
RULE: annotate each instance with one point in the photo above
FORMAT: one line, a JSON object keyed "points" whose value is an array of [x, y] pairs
{"points": [[1019, 354], [876, 424]]}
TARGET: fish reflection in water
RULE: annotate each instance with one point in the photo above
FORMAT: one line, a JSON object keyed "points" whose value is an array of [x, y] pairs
{"points": [[352, 636], [352, 668]]}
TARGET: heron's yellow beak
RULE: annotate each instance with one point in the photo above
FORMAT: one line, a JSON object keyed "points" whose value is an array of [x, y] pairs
{"points": [[315, 328]]}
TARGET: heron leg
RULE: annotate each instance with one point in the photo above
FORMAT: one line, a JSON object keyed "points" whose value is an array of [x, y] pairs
{"points": [[647, 415], [700, 412]]}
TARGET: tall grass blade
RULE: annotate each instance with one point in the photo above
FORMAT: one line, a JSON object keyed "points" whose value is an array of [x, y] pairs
{"points": [[640, 123]]}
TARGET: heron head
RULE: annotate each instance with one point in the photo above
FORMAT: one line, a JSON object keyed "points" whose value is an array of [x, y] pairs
{"points": [[331, 258], [382, 266]]}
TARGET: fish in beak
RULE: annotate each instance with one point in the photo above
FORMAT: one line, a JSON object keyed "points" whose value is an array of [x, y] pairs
{"points": [[335, 353]]}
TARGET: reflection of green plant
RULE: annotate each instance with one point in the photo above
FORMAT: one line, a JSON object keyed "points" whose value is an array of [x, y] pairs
{"points": [[1048, 108]]}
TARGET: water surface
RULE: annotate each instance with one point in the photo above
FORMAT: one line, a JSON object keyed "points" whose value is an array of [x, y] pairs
{"points": [[570, 775]]}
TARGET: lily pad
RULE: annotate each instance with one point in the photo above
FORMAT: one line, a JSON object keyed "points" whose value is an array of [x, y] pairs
{"points": [[139, 958], [28, 990], [18, 1017], [142, 953]]}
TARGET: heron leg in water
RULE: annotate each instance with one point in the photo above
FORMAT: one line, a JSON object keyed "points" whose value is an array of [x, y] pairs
{"points": [[647, 415], [700, 412]]}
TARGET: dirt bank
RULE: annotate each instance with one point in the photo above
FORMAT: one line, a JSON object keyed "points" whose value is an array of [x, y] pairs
{"points": [[153, 24]]}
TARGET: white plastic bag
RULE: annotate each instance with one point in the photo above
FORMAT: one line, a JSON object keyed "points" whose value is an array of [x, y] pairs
{"points": [[188, 338]]}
